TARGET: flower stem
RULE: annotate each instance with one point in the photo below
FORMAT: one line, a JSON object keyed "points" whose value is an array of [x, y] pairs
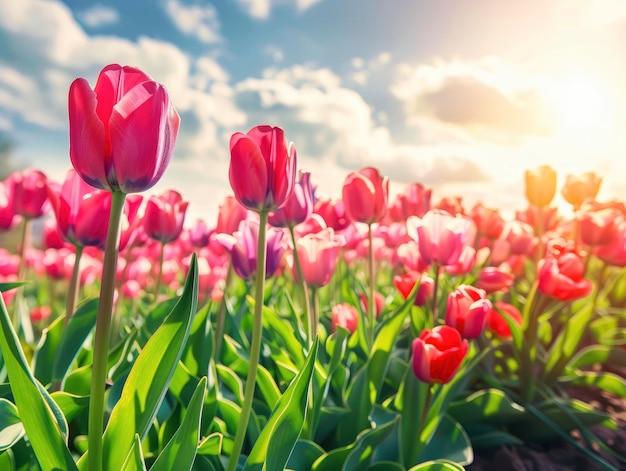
{"points": [[371, 305], [221, 315], [434, 309], [74, 287], [21, 276], [255, 346], [101, 337], [160, 274], [311, 330]]}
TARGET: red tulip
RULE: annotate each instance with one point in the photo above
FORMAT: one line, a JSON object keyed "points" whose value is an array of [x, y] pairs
{"points": [[29, 193], [415, 201], [123, 132], [8, 219], [405, 284], [365, 195], [333, 213], [561, 277], [344, 315], [488, 221], [80, 211], [165, 215], [492, 279], [496, 322], [467, 310], [262, 169], [437, 354], [597, 227], [614, 253]]}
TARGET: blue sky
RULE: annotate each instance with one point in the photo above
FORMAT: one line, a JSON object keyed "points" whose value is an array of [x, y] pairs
{"points": [[459, 95]]}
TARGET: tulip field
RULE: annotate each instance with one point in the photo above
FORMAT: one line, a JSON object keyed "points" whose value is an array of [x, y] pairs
{"points": [[300, 332]]}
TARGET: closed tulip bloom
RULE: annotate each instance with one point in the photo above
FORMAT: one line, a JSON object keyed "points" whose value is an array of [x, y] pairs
{"points": [[79, 210], [199, 234], [614, 253], [467, 310], [333, 213], [344, 315], [488, 221], [8, 218], [492, 279], [540, 185], [438, 354], [414, 201], [577, 189], [561, 277], [405, 284], [318, 254], [365, 195], [29, 193], [496, 322], [123, 132], [262, 169], [597, 227], [298, 206], [165, 216]]}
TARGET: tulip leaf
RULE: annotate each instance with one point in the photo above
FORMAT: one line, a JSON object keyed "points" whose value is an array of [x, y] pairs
{"points": [[134, 461], [149, 378], [366, 443], [438, 465], [70, 404], [491, 406], [180, 451], [11, 428], [46, 350], [410, 402], [305, 452], [599, 354], [211, 445], [43, 421], [451, 441], [73, 337], [278, 437], [606, 381]]}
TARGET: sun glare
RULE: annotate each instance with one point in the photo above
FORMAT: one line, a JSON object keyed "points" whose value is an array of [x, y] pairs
{"points": [[581, 103]]}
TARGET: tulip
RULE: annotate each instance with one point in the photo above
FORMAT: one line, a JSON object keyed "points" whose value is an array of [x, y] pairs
{"points": [[415, 201], [344, 315], [597, 227], [298, 207], [577, 189], [540, 185], [165, 215], [365, 195], [8, 219], [29, 194], [262, 169], [333, 213], [405, 284], [451, 204], [318, 254], [123, 132], [561, 277], [492, 279], [437, 354], [488, 221], [467, 310], [496, 322], [199, 234], [614, 253]]}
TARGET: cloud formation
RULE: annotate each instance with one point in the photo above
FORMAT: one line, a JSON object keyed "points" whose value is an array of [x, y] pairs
{"points": [[198, 21], [98, 15], [261, 9]]}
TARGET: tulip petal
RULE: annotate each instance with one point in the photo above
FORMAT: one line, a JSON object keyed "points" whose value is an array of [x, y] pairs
{"points": [[248, 172]]}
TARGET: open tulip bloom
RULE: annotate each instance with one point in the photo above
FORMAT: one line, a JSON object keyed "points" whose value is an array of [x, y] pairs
{"points": [[431, 330]]}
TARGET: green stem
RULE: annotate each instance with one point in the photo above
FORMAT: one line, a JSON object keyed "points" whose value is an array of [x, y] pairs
{"points": [[311, 324], [221, 315], [435, 305], [21, 275], [74, 287], [255, 347], [315, 313], [101, 337], [371, 305], [529, 349], [160, 274]]}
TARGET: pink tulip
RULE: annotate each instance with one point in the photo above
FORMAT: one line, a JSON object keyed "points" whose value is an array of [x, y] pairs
{"points": [[438, 354], [597, 227], [165, 215], [80, 211], [346, 316], [488, 221], [262, 169], [298, 207], [467, 310], [8, 218], [365, 195], [561, 277], [318, 254], [333, 213], [123, 132], [199, 234], [492, 279], [414, 201], [29, 193], [614, 253]]}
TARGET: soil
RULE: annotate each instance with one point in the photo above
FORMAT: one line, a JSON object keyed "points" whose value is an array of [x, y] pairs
{"points": [[563, 456]]}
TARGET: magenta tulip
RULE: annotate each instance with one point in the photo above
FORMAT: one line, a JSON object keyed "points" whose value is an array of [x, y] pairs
{"points": [[262, 169], [123, 132], [467, 310], [165, 215], [29, 193], [8, 218], [298, 207], [365, 195]]}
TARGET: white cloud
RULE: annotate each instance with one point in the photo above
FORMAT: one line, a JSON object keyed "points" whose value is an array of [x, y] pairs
{"points": [[99, 15], [261, 9], [198, 21]]}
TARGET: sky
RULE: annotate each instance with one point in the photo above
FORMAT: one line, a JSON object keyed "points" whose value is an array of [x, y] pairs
{"points": [[460, 96]]}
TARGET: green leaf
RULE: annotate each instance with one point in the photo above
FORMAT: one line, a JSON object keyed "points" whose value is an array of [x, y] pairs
{"points": [[305, 452], [451, 442], [273, 447], [11, 428], [180, 451], [80, 326], [267, 387], [211, 445], [599, 354], [366, 443], [386, 466], [70, 404], [45, 352], [281, 331], [12, 285], [149, 378], [606, 381], [134, 460], [438, 465], [39, 413], [486, 406]]}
